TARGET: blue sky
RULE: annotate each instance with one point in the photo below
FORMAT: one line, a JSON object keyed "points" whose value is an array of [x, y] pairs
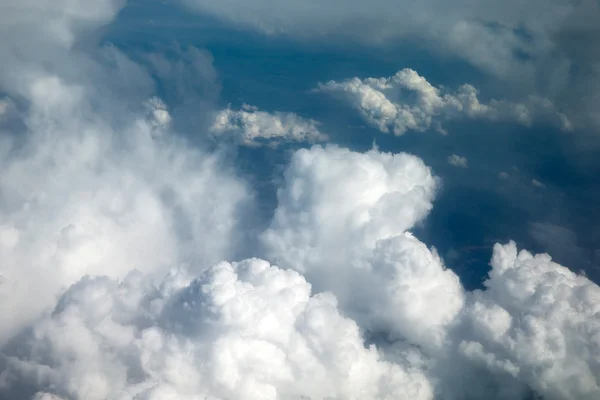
{"points": [[290, 199]]}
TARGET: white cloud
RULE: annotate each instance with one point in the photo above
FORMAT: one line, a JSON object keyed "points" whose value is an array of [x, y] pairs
{"points": [[406, 101], [253, 127], [251, 330], [244, 330], [458, 161], [394, 286], [503, 175], [333, 196], [539, 322], [341, 221]]}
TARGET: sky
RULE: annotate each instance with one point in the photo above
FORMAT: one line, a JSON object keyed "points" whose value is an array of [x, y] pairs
{"points": [[290, 199]]}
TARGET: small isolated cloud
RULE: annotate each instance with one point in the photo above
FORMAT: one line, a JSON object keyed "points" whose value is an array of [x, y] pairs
{"points": [[408, 102], [252, 127], [458, 161], [504, 175], [537, 183]]}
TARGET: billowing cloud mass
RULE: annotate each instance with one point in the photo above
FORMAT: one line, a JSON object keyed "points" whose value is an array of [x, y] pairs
{"points": [[458, 161], [244, 330], [406, 101], [117, 238], [252, 127], [539, 322], [80, 199], [393, 285], [253, 330], [341, 221]]}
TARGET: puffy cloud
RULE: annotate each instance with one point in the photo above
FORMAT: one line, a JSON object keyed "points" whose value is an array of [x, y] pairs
{"points": [[243, 330], [407, 101], [458, 161], [537, 183], [539, 322], [342, 220], [333, 196], [252, 330], [253, 128], [393, 285]]}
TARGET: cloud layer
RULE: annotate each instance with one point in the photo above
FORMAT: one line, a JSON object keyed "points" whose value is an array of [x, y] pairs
{"points": [[406, 101], [542, 46]]}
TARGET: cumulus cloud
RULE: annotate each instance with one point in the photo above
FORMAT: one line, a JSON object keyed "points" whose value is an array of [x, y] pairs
{"points": [[537, 321], [333, 196], [252, 127], [458, 161], [342, 220], [406, 101], [393, 285], [253, 330], [243, 330], [537, 183]]}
